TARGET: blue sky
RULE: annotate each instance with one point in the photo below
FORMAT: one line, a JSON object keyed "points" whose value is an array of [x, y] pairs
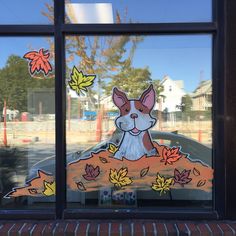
{"points": [[180, 57], [30, 11]]}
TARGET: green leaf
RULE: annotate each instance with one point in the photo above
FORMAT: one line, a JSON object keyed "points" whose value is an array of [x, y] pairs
{"points": [[80, 82]]}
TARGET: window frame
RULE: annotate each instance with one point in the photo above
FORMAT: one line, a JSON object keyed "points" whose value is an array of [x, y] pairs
{"points": [[224, 144]]}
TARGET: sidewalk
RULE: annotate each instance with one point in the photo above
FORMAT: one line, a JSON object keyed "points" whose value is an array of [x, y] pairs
{"points": [[117, 228]]}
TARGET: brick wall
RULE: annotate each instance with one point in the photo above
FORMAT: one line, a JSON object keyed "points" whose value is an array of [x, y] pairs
{"points": [[116, 228]]}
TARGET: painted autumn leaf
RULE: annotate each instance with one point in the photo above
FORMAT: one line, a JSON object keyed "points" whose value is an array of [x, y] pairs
{"points": [[112, 148], [182, 178], [33, 191], [80, 82], [103, 160], [50, 188], [91, 172], [144, 172], [162, 184], [196, 172], [39, 61], [171, 155], [119, 178], [81, 186], [201, 183]]}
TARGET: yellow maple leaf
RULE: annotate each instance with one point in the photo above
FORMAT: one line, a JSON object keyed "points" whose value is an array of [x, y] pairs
{"points": [[80, 82], [112, 148], [162, 184], [50, 188], [119, 178]]}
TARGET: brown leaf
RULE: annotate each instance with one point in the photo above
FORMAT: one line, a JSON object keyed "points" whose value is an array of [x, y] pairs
{"points": [[103, 160], [196, 172], [81, 186], [144, 171], [201, 183]]}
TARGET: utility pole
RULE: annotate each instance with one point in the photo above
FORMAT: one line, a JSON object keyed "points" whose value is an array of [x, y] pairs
{"points": [[5, 123], [69, 110], [160, 112], [199, 106]]}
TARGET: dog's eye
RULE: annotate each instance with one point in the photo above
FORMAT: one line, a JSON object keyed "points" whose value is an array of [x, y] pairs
{"points": [[127, 110], [141, 110]]}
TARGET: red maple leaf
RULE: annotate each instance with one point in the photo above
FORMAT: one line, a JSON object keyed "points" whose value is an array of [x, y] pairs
{"points": [[182, 178], [39, 61], [91, 172], [170, 155]]}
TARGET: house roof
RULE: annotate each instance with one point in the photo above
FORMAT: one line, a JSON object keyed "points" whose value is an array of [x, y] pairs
{"points": [[205, 87]]}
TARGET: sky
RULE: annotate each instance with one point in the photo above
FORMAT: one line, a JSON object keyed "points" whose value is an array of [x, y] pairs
{"points": [[181, 57], [30, 11]]}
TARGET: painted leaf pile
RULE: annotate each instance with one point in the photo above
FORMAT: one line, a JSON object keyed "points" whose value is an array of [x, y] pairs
{"points": [[80, 82], [100, 169], [39, 61], [141, 174]]}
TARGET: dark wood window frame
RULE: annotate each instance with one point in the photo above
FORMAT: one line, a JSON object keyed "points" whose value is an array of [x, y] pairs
{"points": [[224, 110]]}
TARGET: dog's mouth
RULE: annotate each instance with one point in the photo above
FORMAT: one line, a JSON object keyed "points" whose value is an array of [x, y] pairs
{"points": [[135, 131]]}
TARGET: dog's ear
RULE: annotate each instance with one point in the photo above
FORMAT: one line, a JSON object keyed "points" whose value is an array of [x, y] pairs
{"points": [[119, 98], [148, 98]]}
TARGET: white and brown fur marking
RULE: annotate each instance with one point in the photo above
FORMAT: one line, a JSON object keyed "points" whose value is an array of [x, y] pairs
{"points": [[135, 120]]}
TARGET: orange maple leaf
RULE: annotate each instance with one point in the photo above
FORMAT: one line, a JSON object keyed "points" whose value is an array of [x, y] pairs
{"points": [[39, 61], [170, 155]]}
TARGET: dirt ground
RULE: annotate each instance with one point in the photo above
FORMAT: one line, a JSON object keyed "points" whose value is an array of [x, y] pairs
{"points": [[82, 132]]}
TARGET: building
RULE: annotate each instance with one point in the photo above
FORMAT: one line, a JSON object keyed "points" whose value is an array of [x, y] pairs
{"points": [[172, 94], [202, 96]]}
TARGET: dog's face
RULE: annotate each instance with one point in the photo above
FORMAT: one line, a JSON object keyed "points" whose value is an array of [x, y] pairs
{"points": [[135, 115]]}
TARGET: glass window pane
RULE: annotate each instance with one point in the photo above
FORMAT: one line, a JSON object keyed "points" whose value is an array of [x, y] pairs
{"points": [[139, 126], [27, 12], [27, 148], [132, 11]]}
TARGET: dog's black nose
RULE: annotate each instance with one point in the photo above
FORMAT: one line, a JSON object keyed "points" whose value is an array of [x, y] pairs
{"points": [[134, 116]]}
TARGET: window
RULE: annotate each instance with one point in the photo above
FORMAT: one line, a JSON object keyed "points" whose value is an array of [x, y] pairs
{"points": [[27, 118], [91, 79], [94, 114]]}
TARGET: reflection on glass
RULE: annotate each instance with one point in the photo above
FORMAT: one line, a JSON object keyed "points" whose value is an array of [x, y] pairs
{"points": [[27, 12], [27, 122], [139, 120], [98, 13], [131, 11]]}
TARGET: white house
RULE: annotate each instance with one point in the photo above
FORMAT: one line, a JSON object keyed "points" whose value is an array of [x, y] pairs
{"points": [[107, 103], [173, 92]]}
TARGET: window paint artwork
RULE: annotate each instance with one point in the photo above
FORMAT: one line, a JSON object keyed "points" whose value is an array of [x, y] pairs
{"points": [[135, 163], [80, 82], [39, 61]]}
